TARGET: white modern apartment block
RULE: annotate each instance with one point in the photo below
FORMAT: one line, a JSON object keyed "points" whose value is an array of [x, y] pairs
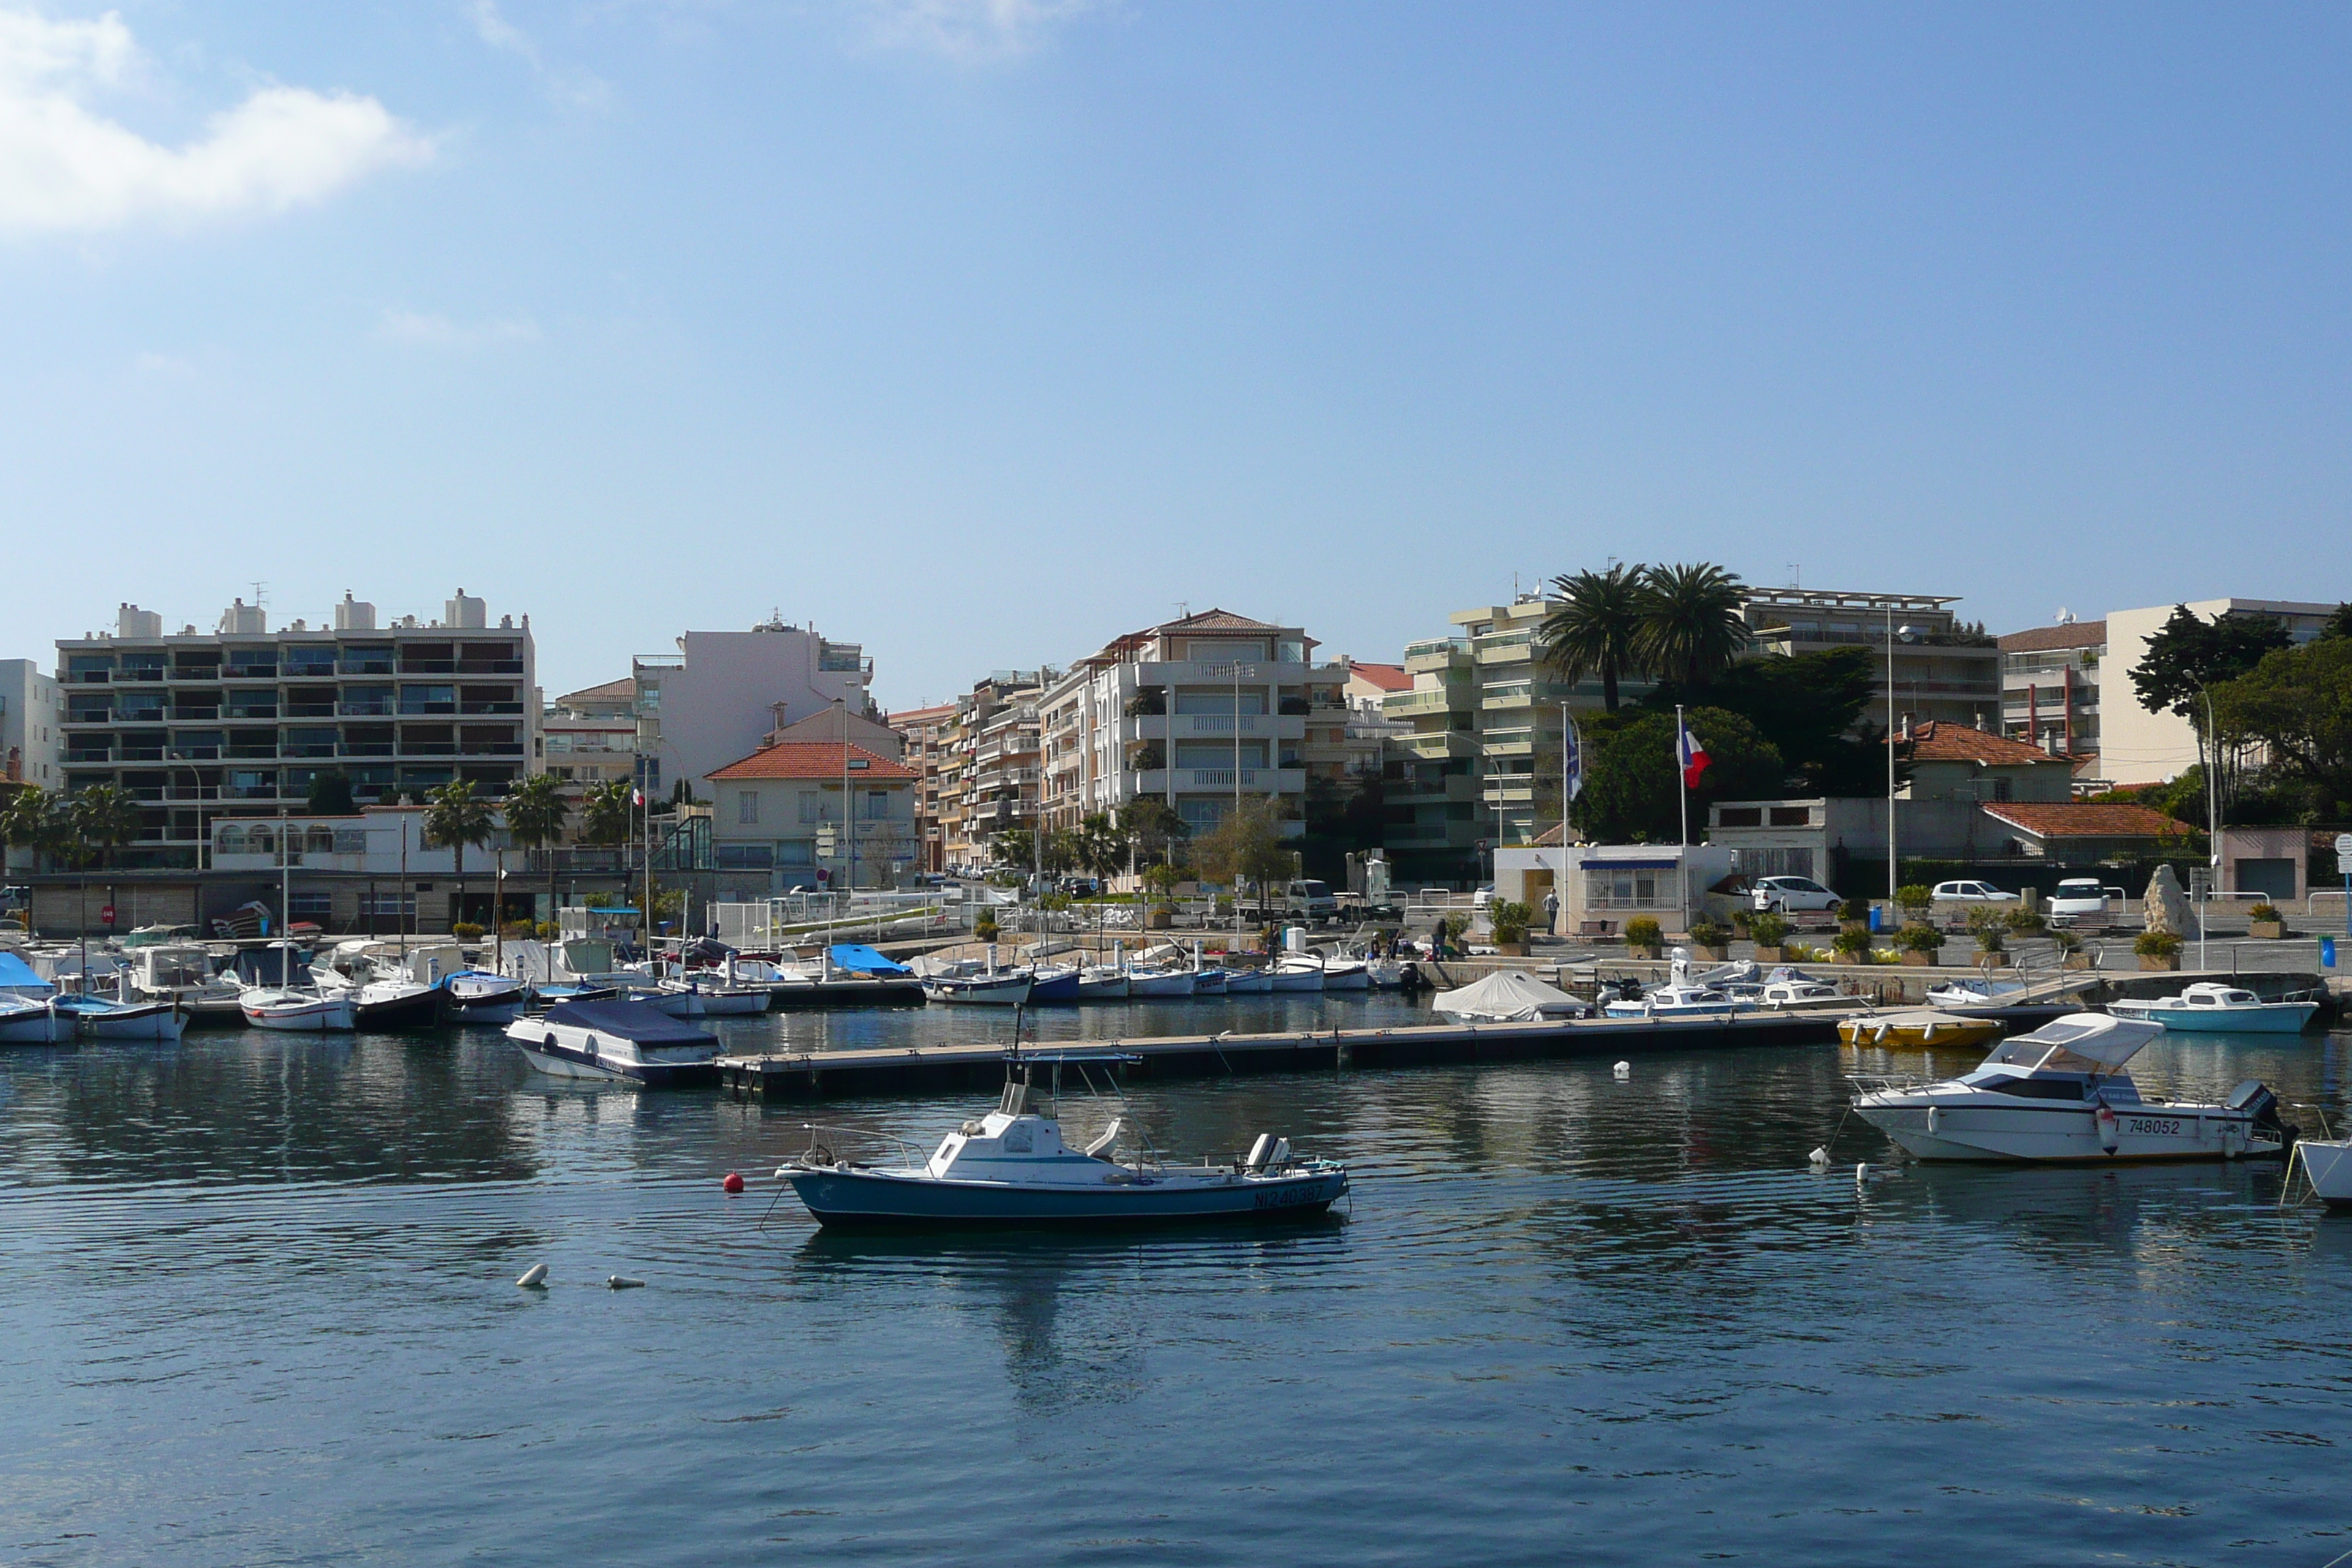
{"points": [[239, 722], [590, 737], [29, 714], [1204, 712], [2136, 746], [715, 699]]}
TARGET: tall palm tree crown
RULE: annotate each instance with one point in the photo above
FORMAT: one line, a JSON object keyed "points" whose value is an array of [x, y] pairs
{"points": [[1691, 628], [35, 820], [104, 818], [604, 815], [535, 816], [454, 817], [1597, 627]]}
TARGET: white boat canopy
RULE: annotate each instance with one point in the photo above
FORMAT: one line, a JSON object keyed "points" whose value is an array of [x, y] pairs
{"points": [[1508, 996], [2079, 1042]]}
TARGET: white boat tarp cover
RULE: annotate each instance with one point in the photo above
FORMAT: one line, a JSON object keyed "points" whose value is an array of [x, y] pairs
{"points": [[2079, 1042], [637, 1021], [1507, 995]]}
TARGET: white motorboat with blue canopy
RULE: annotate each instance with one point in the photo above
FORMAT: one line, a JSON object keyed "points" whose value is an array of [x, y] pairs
{"points": [[2209, 1008], [1010, 1167], [625, 1042], [28, 1013], [2061, 1094]]}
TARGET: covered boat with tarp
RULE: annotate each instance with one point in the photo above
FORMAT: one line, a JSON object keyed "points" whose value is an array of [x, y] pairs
{"points": [[1508, 996], [627, 1042]]}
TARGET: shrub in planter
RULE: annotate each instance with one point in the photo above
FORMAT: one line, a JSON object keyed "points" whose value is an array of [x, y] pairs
{"points": [[1642, 936], [1990, 927], [2157, 948], [1913, 899], [1853, 944], [1919, 943], [1742, 921], [1510, 919], [984, 929], [1712, 939], [466, 931], [1855, 910], [2266, 921], [2025, 922], [1769, 929]]}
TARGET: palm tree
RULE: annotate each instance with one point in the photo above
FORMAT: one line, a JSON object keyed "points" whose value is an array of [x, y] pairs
{"points": [[1596, 629], [104, 820], [456, 816], [604, 815], [535, 816], [1692, 625], [34, 819]]}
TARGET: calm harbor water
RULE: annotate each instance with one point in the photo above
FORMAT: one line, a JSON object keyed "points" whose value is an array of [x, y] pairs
{"points": [[259, 1306]]}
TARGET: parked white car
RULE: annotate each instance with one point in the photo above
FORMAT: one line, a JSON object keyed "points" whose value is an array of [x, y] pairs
{"points": [[1971, 893], [1781, 894], [2079, 896]]}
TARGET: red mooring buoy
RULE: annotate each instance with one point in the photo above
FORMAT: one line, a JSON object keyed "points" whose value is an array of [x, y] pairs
{"points": [[734, 1182]]}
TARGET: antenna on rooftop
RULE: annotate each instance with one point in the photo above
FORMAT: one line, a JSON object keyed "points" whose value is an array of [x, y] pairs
{"points": [[258, 589], [1796, 575]]}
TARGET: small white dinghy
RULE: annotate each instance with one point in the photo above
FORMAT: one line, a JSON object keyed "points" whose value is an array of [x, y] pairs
{"points": [[300, 1012], [2060, 1095]]}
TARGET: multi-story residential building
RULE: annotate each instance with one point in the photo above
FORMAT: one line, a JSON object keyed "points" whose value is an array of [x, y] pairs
{"points": [[1202, 712], [589, 737], [715, 699], [2136, 746], [240, 721], [29, 723], [1431, 795], [2049, 694], [1942, 669], [999, 755], [811, 813], [926, 732]]}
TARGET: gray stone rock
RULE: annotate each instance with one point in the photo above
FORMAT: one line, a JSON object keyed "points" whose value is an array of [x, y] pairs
{"points": [[2165, 907]]}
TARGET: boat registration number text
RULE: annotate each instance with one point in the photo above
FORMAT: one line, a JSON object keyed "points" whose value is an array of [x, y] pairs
{"points": [[1283, 1198], [2152, 1126]]}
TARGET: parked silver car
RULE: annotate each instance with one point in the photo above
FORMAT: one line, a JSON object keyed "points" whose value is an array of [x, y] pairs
{"points": [[1971, 893], [1781, 895]]}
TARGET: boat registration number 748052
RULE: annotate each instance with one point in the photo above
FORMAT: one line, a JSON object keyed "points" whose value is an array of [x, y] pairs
{"points": [[2152, 1126]]}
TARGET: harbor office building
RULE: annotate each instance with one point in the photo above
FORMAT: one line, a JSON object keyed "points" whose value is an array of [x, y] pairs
{"points": [[1602, 886]]}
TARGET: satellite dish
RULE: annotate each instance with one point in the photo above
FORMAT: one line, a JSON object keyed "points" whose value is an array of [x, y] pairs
{"points": [[2065, 617]]}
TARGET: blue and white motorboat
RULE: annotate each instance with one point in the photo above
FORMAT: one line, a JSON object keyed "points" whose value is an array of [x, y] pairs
{"points": [[1681, 996], [27, 1015], [101, 1018], [616, 1041], [1010, 1167], [479, 997], [1060, 983], [1102, 983], [2209, 1008]]}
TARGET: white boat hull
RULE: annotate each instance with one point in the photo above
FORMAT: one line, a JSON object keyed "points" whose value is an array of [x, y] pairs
{"points": [[35, 1024], [979, 993], [1295, 979], [1142, 984], [302, 1016], [2069, 1134], [1347, 977], [155, 1022], [1247, 983], [2265, 1019], [2329, 1164]]}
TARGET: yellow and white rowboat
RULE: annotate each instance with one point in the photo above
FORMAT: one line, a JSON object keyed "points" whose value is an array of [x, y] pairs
{"points": [[1911, 1030]]}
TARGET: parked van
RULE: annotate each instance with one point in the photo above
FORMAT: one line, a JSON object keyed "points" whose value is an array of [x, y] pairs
{"points": [[1309, 901]]}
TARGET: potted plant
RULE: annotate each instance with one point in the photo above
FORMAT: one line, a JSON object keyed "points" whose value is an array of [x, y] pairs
{"points": [[984, 928], [2025, 922], [1743, 922], [1855, 912], [1510, 919], [1710, 940], [1914, 900], [2070, 949], [2267, 923], [1642, 937], [466, 931], [1990, 930], [1920, 943], [2157, 948], [1769, 931], [1851, 943]]}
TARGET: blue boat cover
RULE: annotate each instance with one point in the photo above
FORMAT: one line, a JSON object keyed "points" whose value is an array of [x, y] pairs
{"points": [[861, 960], [18, 976], [634, 1021]]}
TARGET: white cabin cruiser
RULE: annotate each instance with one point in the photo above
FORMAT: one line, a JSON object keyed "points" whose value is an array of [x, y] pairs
{"points": [[181, 973], [383, 995], [2061, 1094], [1010, 1167], [1681, 996], [624, 1042], [2207, 1007]]}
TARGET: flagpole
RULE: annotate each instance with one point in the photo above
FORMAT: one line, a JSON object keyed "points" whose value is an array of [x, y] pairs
{"points": [[1682, 795]]}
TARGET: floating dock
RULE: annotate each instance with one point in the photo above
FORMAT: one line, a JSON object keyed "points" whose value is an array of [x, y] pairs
{"points": [[923, 1069]]}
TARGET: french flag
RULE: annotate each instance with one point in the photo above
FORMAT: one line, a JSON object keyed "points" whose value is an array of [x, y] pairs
{"points": [[637, 796], [1689, 753]]}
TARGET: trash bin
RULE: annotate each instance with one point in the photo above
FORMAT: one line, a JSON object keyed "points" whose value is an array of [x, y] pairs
{"points": [[2326, 952], [1877, 919]]}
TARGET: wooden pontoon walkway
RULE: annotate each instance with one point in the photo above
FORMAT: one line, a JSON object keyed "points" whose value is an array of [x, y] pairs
{"points": [[923, 1069]]}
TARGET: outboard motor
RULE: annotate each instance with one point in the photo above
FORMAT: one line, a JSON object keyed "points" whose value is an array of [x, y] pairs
{"points": [[2255, 1096], [1629, 989]]}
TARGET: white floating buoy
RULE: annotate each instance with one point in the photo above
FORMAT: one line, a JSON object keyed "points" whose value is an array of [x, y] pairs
{"points": [[1866, 1172], [1623, 1071], [1819, 1159], [623, 1282], [534, 1277]]}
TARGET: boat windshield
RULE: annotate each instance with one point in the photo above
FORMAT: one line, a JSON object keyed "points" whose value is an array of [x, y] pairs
{"points": [[2080, 1042]]}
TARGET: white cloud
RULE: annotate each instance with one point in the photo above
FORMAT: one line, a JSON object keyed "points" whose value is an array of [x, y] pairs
{"points": [[424, 331], [566, 84], [968, 29], [66, 167]]}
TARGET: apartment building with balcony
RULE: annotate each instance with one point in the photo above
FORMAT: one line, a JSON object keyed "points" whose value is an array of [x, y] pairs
{"points": [[1942, 669], [2138, 747], [722, 693], [589, 738], [1204, 712], [239, 720], [987, 761], [2049, 694], [925, 733]]}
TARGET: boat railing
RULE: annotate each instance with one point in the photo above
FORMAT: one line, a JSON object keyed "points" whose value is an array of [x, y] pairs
{"points": [[1884, 1082], [830, 1143]]}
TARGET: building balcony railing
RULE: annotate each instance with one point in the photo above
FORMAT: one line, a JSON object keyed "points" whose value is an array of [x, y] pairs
{"points": [[139, 716], [87, 757], [142, 753], [311, 672], [141, 675], [490, 706], [307, 711], [186, 752], [192, 792], [248, 792], [252, 753], [1410, 702], [490, 749], [249, 672], [370, 710], [385, 666], [363, 749], [307, 749], [266, 714], [207, 715]]}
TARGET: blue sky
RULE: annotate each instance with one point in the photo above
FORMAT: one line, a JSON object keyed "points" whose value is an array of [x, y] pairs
{"points": [[981, 331]]}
